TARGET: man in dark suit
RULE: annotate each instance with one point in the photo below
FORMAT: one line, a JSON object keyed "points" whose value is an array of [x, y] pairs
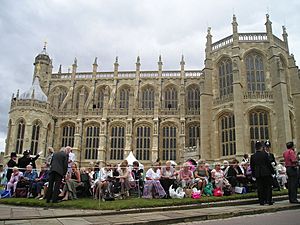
{"points": [[58, 169], [10, 164], [262, 170], [271, 156]]}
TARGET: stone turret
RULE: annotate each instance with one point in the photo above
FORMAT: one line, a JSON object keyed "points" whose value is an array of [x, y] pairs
{"points": [[43, 68]]}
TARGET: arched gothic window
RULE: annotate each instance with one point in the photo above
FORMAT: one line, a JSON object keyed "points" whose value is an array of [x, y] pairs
{"points": [[92, 142], [20, 136], [171, 98], [259, 127], [143, 142], [147, 98], [193, 135], [68, 132], [124, 98], [169, 143], [35, 136], [225, 78], [255, 73], [117, 144], [99, 103], [227, 132], [193, 98], [61, 96]]}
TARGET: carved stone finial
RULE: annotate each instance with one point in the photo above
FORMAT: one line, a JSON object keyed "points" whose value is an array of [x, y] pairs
{"points": [[75, 61], [208, 31], [45, 46], [59, 69], [138, 59], [95, 61]]}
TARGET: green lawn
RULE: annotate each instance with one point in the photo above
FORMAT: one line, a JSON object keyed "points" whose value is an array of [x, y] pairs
{"points": [[127, 203]]}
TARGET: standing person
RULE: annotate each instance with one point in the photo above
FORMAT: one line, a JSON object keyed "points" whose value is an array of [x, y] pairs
{"points": [[262, 170], [291, 165], [273, 163], [49, 156], [10, 164], [71, 159], [58, 169], [27, 160]]}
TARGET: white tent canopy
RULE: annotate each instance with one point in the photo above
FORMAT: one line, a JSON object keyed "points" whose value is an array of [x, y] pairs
{"points": [[131, 158]]}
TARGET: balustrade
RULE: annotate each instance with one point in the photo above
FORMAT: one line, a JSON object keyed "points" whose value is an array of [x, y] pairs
{"points": [[258, 95], [222, 43], [193, 73], [252, 37], [223, 99], [149, 74]]}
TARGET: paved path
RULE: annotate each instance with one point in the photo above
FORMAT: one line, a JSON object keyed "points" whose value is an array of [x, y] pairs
{"points": [[14, 215], [291, 217]]}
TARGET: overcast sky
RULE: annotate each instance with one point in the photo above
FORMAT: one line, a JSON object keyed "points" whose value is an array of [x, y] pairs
{"points": [[127, 28]]}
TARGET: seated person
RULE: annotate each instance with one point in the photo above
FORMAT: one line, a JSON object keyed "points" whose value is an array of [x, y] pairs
{"points": [[39, 182], [281, 174], [201, 175], [27, 179], [115, 184], [235, 175], [217, 175], [2, 176], [152, 187], [208, 168], [72, 181], [246, 169], [168, 177], [84, 188], [137, 175], [102, 182], [125, 177], [14, 179], [186, 176]]}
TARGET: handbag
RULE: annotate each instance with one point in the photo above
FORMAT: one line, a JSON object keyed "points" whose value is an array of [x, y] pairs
{"points": [[5, 194], [240, 190], [218, 192]]}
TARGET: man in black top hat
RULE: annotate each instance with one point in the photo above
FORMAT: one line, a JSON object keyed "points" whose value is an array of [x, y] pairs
{"points": [[267, 147], [27, 160], [262, 170], [10, 164]]}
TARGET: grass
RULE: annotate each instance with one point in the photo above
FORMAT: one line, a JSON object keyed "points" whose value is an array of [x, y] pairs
{"points": [[131, 203]]}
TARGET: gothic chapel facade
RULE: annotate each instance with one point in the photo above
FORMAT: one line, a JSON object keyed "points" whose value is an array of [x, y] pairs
{"points": [[248, 90]]}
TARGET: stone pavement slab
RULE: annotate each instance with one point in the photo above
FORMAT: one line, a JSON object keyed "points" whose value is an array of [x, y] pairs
{"points": [[74, 221], [45, 222]]}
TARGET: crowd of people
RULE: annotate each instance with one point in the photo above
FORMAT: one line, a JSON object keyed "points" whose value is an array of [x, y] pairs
{"points": [[60, 179]]}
